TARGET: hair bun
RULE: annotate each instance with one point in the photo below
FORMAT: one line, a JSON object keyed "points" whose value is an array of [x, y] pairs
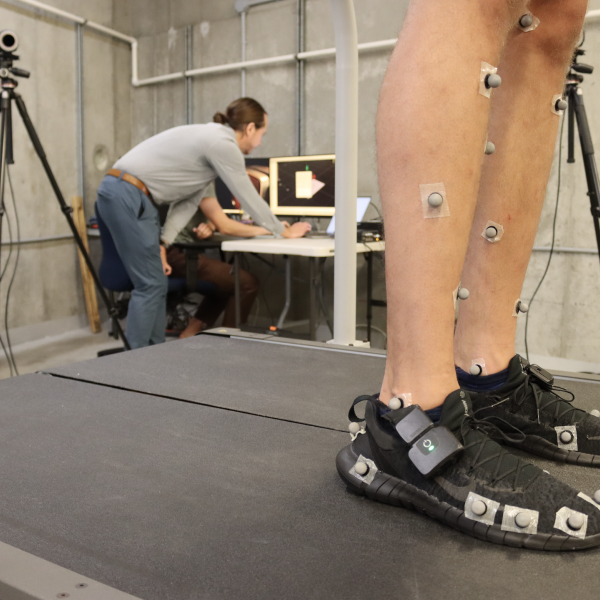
{"points": [[219, 117]]}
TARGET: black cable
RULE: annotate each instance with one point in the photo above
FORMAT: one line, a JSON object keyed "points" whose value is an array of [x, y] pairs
{"points": [[562, 127], [10, 251], [12, 279]]}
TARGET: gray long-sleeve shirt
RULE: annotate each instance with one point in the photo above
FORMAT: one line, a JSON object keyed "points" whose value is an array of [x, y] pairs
{"points": [[177, 165]]}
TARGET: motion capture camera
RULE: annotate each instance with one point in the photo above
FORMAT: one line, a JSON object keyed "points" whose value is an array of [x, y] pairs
{"points": [[432, 447], [9, 42]]}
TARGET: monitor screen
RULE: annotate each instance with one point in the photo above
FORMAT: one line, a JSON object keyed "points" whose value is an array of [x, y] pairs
{"points": [[258, 171], [362, 203], [303, 185]]}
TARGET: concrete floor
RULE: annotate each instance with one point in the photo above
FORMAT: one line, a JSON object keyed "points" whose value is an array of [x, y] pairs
{"points": [[53, 351]]}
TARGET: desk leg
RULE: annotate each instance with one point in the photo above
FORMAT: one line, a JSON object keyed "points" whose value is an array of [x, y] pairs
{"points": [[313, 314], [369, 257], [236, 276], [288, 291]]}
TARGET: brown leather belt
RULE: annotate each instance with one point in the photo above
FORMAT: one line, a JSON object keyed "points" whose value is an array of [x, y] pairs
{"points": [[132, 180]]}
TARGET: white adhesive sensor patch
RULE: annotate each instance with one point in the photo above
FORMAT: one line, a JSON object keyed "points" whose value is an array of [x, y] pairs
{"points": [[488, 79], [434, 201], [492, 232]]}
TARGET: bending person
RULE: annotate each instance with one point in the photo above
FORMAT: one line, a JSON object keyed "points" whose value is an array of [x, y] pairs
{"points": [[175, 167], [208, 219], [440, 197]]}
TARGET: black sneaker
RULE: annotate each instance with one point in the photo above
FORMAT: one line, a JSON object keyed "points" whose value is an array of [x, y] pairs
{"points": [[544, 412], [483, 491]]}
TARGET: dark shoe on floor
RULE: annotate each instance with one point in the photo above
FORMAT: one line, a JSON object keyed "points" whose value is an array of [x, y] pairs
{"points": [[483, 491], [544, 412]]}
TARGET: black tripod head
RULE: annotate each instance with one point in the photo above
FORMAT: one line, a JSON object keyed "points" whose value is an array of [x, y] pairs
{"points": [[578, 69], [9, 42]]}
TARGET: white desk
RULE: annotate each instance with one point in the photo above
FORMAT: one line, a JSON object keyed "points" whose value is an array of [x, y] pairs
{"points": [[313, 249]]}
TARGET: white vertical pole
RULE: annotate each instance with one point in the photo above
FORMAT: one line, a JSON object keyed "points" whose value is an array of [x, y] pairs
{"points": [[346, 165], [79, 91], [243, 18]]}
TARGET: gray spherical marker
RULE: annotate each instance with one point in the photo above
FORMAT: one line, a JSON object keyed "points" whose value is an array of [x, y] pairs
{"points": [[490, 148], [361, 468], [354, 428], [596, 497], [595, 413], [435, 200], [491, 232], [523, 307], [478, 508], [523, 520], [575, 522], [566, 437], [463, 293], [476, 370], [526, 21], [561, 105], [493, 80], [395, 403]]}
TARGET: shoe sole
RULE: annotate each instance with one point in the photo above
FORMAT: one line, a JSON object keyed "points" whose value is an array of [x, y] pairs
{"points": [[534, 444], [391, 490]]}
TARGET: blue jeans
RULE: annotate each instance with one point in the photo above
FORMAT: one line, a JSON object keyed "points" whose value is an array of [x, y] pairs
{"points": [[134, 224]]}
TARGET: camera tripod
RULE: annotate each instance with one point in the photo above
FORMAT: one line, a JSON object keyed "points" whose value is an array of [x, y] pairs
{"points": [[8, 85], [577, 112]]}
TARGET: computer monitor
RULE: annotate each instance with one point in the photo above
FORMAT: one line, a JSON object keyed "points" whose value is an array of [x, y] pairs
{"points": [[258, 171], [362, 203], [303, 185]]}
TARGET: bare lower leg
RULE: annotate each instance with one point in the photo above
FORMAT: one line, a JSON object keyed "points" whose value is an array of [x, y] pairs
{"points": [[513, 182], [431, 128], [194, 326]]}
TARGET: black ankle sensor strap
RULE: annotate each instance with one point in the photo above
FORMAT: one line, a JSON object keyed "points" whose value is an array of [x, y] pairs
{"points": [[431, 446]]}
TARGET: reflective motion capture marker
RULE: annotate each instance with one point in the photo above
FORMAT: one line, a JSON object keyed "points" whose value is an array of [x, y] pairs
{"points": [[435, 200], [478, 508], [526, 21], [354, 428], [490, 148], [559, 105], [493, 80], [596, 496], [463, 293], [395, 403], [566, 437], [595, 413], [520, 307], [361, 468], [575, 521], [476, 370], [491, 232], [523, 520]]}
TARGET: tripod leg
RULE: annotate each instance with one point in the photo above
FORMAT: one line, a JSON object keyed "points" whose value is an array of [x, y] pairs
{"points": [[67, 210], [589, 162]]}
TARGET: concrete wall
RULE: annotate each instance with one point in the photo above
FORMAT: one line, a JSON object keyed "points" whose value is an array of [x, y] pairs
{"points": [[47, 295], [563, 320]]}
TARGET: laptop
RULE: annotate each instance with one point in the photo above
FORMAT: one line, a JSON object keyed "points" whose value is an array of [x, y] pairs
{"points": [[362, 203]]}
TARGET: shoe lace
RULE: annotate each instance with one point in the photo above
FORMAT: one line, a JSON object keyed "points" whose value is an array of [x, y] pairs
{"points": [[552, 394], [494, 451]]}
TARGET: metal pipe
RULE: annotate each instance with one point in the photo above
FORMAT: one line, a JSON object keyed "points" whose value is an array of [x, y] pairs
{"points": [[300, 78], [189, 86], [79, 100], [346, 184], [242, 6], [52, 238], [243, 21], [566, 250]]}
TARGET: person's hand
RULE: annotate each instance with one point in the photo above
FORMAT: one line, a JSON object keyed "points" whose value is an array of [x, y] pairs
{"points": [[297, 230], [165, 265], [203, 231], [286, 224]]}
